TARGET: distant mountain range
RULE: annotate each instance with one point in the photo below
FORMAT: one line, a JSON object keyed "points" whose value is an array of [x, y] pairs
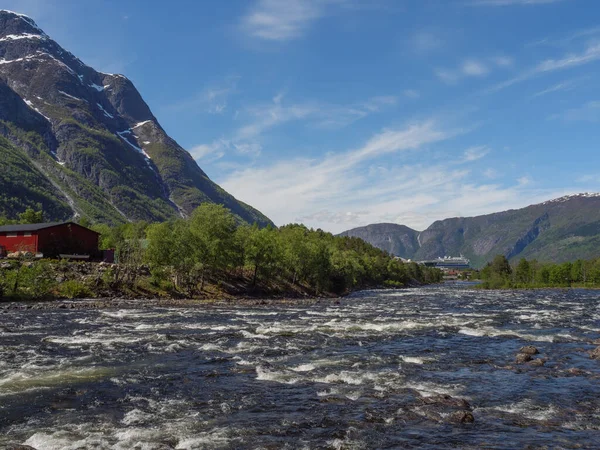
{"points": [[563, 229], [84, 143]]}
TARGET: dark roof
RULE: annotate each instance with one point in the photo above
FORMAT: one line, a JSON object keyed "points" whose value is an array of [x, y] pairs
{"points": [[36, 227]]}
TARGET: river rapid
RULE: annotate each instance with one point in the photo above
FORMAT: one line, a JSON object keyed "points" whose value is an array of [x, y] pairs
{"points": [[382, 369]]}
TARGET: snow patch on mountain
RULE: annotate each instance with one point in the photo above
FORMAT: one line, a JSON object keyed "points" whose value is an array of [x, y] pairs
{"points": [[106, 113], [572, 196], [95, 86], [139, 149], [72, 96], [16, 37], [140, 124]]}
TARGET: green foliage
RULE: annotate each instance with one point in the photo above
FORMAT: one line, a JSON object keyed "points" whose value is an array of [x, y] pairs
{"points": [[27, 280], [23, 186], [211, 245], [533, 274], [31, 216], [73, 289]]}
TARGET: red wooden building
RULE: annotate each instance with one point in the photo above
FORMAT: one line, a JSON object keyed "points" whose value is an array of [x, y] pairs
{"points": [[49, 239]]}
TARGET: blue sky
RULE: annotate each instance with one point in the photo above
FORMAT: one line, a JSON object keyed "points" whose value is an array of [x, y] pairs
{"points": [[340, 113]]}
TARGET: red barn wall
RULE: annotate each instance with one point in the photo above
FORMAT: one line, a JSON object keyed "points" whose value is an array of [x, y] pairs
{"points": [[68, 238], [20, 242]]}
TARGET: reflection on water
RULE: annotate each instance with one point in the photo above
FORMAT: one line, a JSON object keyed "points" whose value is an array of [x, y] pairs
{"points": [[382, 369]]}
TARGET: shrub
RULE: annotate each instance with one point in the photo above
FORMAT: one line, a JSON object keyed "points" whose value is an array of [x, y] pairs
{"points": [[73, 289]]}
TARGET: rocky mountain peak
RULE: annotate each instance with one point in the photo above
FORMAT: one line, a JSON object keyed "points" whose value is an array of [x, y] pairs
{"points": [[93, 136], [15, 26]]}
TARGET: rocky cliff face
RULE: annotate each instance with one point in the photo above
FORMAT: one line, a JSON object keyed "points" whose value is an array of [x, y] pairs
{"points": [[558, 230], [395, 239], [90, 138]]}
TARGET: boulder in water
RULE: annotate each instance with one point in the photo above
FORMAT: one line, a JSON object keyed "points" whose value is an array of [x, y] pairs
{"points": [[462, 417], [447, 400], [523, 358], [529, 350], [595, 354], [20, 447], [538, 362]]}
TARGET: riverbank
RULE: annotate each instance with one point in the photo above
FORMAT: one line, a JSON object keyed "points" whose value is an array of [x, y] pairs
{"points": [[69, 285]]}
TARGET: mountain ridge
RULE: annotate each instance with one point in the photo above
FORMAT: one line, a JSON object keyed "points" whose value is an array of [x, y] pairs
{"points": [[557, 230], [91, 138]]}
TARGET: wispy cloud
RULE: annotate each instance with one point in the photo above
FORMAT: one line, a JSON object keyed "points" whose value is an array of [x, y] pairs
{"points": [[263, 117], [279, 21], [361, 185], [590, 54], [208, 152], [524, 181], [475, 153], [567, 85], [259, 119], [472, 68], [212, 99], [289, 190]]}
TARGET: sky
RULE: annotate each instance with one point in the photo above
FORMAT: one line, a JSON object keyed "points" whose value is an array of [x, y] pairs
{"points": [[341, 113]]}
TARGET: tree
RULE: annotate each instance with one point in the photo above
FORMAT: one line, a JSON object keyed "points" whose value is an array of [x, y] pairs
{"points": [[500, 266], [523, 272], [262, 251], [31, 216], [213, 229]]}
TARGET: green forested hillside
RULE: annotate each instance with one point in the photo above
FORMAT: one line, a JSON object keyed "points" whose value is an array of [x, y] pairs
{"points": [[559, 230]]}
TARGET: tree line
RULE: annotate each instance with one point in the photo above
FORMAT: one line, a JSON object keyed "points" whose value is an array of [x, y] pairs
{"points": [[211, 246], [499, 273]]}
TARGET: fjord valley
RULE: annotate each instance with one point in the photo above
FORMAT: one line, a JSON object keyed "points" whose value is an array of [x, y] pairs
{"points": [[192, 294], [559, 230], [81, 143]]}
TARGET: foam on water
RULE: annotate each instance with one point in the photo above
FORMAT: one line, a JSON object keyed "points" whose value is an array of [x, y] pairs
{"points": [[291, 377]]}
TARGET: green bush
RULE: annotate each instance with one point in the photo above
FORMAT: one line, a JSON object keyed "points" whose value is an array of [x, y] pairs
{"points": [[73, 289]]}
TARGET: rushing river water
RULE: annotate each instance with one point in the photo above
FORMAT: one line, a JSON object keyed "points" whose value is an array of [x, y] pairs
{"points": [[383, 369]]}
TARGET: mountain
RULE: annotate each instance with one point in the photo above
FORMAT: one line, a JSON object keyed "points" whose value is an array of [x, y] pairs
{"points": [[558, 230], [84, 143], [395, 239]]}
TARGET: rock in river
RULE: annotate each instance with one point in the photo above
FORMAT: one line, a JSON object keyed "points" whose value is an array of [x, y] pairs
{"points": [[529, 350], [523, 358]]}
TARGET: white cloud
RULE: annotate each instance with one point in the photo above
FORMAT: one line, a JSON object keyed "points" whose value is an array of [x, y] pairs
{"points": [[208, 152], [475, 153], [279, 21], [288, 190], [524, 181], [220, 147], [212, 99], [589, 55], [562, 86], [263, 117], [339, 191], [259, 119], [474, 68]]}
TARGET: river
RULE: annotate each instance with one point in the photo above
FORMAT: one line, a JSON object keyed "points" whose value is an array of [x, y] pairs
{"points": [[382, 369]]}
